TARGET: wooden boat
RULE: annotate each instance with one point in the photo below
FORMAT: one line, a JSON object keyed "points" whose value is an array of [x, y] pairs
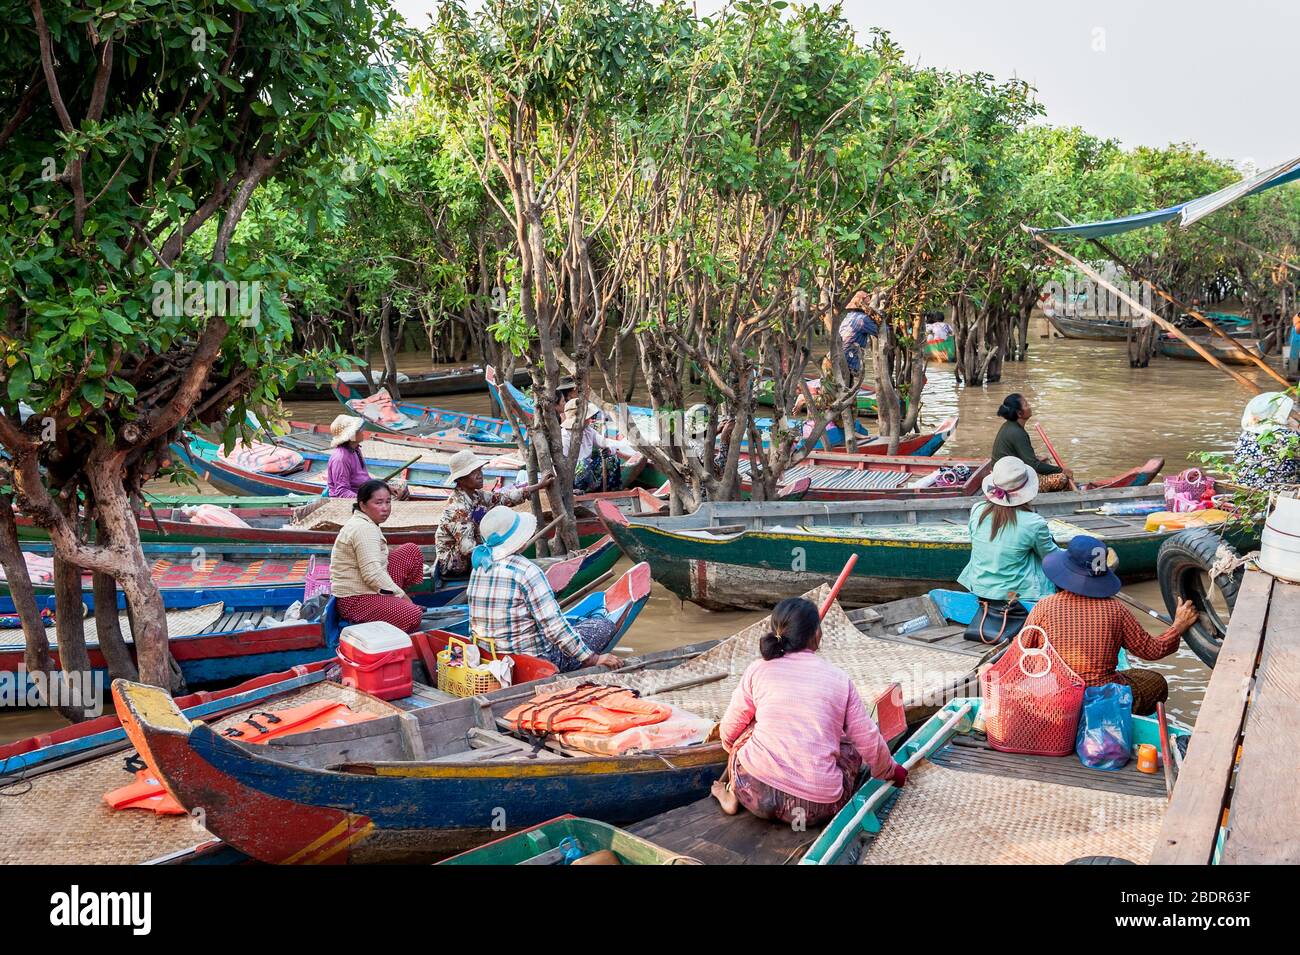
{"points": [[836, 476], [59, 815], [751, 554], [644, 419], [216, 643], [1172, 347], [256, 584], [465, 379], [229, 500], [942, 350], [1092, 329], [426, 422], [447, 777], [997, 807], [546, 843], [765, 395]]}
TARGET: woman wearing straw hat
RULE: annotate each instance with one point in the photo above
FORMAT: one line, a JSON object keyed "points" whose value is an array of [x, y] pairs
{"points": [[858, 326], [511, 603], [1088, 625], [458, 532], [1267, 455], [368, 580], [347, 469], [1008, 540], [597, 467]]}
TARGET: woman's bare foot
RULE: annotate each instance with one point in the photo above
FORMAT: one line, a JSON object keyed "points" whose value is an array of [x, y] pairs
{"points": [[725, 797]]}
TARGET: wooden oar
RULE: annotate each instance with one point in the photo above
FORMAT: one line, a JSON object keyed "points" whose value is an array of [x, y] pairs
{"points": [[1055, 457], [1140, 606], [398, 470], [573, 599], [835, 588], [1164, 749]]}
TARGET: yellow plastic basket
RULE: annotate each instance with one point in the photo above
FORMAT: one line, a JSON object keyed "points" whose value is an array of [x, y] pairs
{"points": [[463, 680]]}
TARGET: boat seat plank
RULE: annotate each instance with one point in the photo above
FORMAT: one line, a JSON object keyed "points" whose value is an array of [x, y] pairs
{"points": [[974, 754], [1191, 825], [703, 831], [1262, 827]]}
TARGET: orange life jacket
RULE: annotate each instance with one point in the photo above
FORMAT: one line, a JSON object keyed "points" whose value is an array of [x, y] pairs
{"points": [[587, 709], [148, 792]]}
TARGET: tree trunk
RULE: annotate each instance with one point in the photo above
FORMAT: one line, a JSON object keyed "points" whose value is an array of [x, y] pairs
{"points": [[388, 344], [36, 656], [74, 659], [109, 630]]}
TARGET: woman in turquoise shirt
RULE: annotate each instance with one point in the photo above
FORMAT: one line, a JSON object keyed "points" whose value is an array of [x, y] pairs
{"points": [[1008, 540]]}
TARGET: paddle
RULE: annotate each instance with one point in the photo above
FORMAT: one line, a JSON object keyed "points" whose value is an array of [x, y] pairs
{"points": [[1055, 457], [1164, 749], [1149, 611], [400, 468], [835, 588]]}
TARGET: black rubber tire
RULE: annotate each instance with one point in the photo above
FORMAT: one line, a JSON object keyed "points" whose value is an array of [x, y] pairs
{"points": [[1100, 860], [1182, 568]]}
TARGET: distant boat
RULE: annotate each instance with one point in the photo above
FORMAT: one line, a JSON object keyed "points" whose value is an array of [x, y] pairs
{"points": [[1172, 347], [446, 381], [1091, 329]]}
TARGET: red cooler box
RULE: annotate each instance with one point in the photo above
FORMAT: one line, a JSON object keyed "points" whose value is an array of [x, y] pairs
{"points": [[376, 657]]}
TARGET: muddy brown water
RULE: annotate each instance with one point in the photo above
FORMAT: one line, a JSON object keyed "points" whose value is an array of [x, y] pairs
{"points": [[1102, 416]]}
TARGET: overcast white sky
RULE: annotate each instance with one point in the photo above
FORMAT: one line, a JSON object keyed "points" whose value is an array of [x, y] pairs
{"points": [[1147, 72]]}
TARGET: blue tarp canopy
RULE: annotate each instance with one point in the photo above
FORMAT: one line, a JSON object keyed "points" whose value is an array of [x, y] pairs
{"points": [[1190, 211]]}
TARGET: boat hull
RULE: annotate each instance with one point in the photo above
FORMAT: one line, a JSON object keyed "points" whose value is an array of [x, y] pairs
{"points": [[1091, 329], [1173, 348]]}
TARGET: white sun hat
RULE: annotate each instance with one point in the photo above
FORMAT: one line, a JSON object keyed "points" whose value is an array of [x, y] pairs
{"points": [[344, 428], [571, 411], [1266, 412], [504, 531], [1012, 483], [464, 463]]}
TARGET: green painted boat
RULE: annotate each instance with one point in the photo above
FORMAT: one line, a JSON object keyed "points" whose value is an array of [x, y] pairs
{"points": [[546, 844], [750, 555], [943, 350], [765, 394], [229, 500], [1011, 808]]}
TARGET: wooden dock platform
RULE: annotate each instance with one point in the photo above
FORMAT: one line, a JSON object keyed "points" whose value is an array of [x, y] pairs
{"points": [[1252, 707]]}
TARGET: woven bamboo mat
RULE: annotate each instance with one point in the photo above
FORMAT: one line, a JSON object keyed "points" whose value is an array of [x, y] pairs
{"points": [[63, 819], [956, 817], [871, 663], [379, 450], [180, 623]]}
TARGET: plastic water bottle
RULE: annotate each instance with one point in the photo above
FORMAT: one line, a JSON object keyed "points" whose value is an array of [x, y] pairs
{"points": [[913, 625], [572, 850]]}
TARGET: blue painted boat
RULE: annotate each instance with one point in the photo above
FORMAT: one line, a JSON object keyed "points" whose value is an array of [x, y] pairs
{"points": [[320, 797], [643, 417], [422, 421]]}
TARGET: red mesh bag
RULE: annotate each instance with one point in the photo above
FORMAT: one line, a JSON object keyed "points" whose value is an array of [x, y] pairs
{"points": [[1032, 699]]}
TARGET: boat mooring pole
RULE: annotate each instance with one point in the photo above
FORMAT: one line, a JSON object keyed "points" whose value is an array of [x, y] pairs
{"points": [[835, 588]]}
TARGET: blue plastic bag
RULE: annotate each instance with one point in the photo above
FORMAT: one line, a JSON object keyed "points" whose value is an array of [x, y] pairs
{"points": [[1105, 739]]}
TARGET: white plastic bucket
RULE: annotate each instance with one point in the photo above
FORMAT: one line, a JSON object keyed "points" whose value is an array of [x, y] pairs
{"points": [[1279, 552]]}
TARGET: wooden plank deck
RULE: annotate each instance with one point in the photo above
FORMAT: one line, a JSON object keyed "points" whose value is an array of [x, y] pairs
{"points": [[1264, 820], [1191, 826]]}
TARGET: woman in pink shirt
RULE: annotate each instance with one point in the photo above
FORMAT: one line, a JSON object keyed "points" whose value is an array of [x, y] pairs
{"points": [[797, 730]]}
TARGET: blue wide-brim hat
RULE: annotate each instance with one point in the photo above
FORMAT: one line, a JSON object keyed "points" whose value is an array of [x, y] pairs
{"points": [[1083, 568]]}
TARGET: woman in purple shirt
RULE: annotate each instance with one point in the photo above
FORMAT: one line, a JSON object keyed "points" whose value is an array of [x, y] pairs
{"points": [[347, 468]]}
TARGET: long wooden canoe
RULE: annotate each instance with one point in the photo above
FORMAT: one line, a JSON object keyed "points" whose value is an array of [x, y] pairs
{"points": [[1172, 347], [427, 422], [1092, 329], [217, 643], [448, 776], [465, 379], [751, 555], [998, 808]]}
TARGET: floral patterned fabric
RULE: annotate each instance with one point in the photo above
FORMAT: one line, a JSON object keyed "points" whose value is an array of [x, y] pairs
{"points": [[1264, 461], [457, 533]]}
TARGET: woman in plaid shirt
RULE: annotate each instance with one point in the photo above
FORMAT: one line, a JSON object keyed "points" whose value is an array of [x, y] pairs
{"points": [[511, 602], [1088, 625]]}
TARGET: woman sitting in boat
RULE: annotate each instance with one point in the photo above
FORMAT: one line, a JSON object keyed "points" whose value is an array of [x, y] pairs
{"points": [[511, 602], [347, 470], [1013, 440], [797, 729], [1008, 541], [368, 580], [1267, 455], [1088, 625], [458, 528], [598, 467]]}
